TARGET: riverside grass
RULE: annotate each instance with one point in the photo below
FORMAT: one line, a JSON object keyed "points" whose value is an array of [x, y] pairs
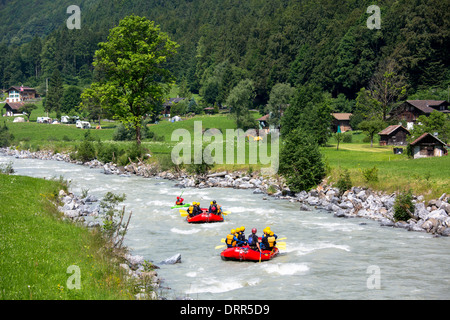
{"points": [[37, 247], [429, 177]]}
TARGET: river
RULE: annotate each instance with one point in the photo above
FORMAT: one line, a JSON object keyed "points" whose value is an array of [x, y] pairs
{"points": [[325, 257]]}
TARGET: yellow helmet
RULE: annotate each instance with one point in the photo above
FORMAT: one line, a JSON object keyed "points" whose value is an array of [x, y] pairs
{"points": [[238, 229], [242, 228], [233, 231], [211, 203], [271, 233]]}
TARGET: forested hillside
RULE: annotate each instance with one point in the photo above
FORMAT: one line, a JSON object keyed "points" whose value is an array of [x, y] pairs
{"points": [[324, 43]]}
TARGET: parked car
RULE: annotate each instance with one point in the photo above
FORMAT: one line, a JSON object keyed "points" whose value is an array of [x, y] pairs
{"points": [[83, 124]]}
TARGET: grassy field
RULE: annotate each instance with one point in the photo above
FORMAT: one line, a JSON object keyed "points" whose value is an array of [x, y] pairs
{"points": [[36, 248], [428, 176], [424, 176]]}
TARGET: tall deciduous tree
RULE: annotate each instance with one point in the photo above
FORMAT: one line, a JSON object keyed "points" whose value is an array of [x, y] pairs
{"points": [[135, 79], [240, 100], [386, 87], [280, 97]]}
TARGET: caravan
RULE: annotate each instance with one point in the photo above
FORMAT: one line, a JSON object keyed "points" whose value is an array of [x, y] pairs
{"points": [[83, 124]]}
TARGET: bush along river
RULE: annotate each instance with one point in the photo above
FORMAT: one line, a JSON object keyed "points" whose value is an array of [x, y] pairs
{"points": [[326, 255]]}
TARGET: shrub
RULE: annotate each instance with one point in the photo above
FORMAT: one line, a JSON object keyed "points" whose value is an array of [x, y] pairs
{"points": [[107, 153], [370, 175], [201, 168], [86, 150], [403, 206], [125, 133], [344, 182], [5, 136], [6, 168], [348, 138]]}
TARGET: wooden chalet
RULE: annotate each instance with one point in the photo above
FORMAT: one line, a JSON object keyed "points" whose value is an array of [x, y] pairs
{"points": [[427, 145], [341, 122], [394, 135], [12, 108], [410, 110], [18, 94]]}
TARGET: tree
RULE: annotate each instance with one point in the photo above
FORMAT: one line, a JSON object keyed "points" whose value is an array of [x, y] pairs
{"points": [[55, 93], [311, 112], [71, 99], [366, 108], [240, 100], [134, 78], [28, 108], [301, 162], [338, 136], [387, 87], [436, 122], [372, 127], [280, 97]]}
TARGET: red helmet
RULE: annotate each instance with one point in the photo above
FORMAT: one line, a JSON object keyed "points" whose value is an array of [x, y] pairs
{"points": [[178, 197], [254, 230]]}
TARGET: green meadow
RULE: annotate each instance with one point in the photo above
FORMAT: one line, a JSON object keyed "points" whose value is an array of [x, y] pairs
{"points": [[37, 248]]}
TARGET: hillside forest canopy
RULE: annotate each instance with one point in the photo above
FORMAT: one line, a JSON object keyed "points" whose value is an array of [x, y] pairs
{"points": [[322, 44]]}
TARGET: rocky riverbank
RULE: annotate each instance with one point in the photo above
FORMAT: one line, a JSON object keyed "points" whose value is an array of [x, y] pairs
{"points": [[431, 216], [86, 210]]}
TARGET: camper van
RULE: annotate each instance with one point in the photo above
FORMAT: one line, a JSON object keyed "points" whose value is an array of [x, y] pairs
{"points": [[69, 120], [83, 124], [43, 120]]}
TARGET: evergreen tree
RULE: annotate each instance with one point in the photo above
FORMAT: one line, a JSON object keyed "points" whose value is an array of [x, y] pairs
{"points": [[301, 162], [55, 94]]}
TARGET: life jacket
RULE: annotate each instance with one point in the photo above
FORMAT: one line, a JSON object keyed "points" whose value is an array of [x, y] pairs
{"points": [[213, 209], [230, 240], [191, 210], [271, 241]]}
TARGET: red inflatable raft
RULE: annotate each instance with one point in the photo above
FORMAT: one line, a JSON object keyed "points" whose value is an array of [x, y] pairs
{"points": [[205, 217], [246, 254]]}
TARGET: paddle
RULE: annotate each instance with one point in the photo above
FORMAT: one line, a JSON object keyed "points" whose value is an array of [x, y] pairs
{"points": [[221, 246], [281, 245], [183, 213]]}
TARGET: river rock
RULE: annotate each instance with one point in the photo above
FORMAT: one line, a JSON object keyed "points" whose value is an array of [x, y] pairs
{"points": [[172, 260], [401, 224], [420, 211], [340, 214], [431, 225], [445, 232], [439, 214], [246, 186], [72, 213], [386, 223], [134, 261], [446, 206], [304, 207]]}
